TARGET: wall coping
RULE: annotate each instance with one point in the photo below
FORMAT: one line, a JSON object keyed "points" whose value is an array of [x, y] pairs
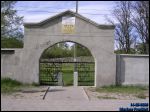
{"points": [[134, 55], [9, 49]]}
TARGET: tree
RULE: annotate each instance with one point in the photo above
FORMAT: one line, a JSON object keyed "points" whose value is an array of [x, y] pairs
{"points": [[61, 50], [123, 31], [121, 51], [11, 43], [10, 22], [141, 23], [81, 50], [140, 48], [63, 45]]}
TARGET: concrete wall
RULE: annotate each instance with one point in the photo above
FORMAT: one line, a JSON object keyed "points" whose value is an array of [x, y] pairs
{"points": [[132, 69], [10, 63]]}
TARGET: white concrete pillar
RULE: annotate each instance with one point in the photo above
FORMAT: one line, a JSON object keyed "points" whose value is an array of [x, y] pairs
{"points": [[75, 76], [60, 80]]}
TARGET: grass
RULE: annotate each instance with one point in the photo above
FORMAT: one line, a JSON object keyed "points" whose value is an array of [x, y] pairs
{"points": [[9, 86], [137, 91], [68, 78], [105, 97], [122, 89]]}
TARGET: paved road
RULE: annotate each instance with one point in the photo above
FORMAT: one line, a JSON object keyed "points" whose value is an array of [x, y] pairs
{"points": [[66, 94], [62, 99]]}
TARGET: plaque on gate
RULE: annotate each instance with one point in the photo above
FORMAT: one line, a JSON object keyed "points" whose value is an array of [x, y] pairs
{"points": [[68, 25]]}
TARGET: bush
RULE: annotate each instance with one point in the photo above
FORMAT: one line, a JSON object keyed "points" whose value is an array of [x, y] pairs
{"points": [[11, 43]]}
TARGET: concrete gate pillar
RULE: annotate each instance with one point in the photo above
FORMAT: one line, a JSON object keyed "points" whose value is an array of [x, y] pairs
{"points": [[75, 79]]}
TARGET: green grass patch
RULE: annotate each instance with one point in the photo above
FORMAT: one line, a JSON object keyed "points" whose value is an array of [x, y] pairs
{"points": [[9, 86], [122, 89], [135, 91], [68, 78], [67, 66]]}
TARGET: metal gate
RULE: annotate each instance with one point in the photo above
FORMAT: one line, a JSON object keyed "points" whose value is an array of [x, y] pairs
{"points": [[85, 73], [49, 72]]}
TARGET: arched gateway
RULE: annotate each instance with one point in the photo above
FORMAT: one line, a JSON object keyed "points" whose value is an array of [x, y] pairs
{"points": [[66, 68], [67, 26]]}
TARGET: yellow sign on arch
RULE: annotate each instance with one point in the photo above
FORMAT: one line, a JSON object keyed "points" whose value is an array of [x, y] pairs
{"points": [[68, 25]]}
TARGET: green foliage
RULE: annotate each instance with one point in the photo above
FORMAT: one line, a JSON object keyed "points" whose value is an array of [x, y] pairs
{"points": [[61, 50], [132, 51], [141, 48], [11, 43], [10, 22], [56, 52], [81, 50], [11, 34]]}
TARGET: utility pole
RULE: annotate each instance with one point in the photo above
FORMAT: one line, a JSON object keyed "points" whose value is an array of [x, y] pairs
{"points": [[76, 6], [75, 64], [75, 43]]}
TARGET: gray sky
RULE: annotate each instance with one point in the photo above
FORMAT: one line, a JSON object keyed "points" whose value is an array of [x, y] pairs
{"points": [[35, 11]]}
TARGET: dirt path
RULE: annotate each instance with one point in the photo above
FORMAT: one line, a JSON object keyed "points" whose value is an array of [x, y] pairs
{"points": [[61, 99]]}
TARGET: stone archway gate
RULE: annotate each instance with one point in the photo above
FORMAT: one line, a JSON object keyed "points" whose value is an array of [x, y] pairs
{"points": [[23, 64]]}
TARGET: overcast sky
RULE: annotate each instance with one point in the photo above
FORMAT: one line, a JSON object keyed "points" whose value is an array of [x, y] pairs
{"points": [[35, 11]]}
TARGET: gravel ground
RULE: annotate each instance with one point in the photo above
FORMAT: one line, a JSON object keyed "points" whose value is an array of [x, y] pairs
{"points": [[61, 99]]}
